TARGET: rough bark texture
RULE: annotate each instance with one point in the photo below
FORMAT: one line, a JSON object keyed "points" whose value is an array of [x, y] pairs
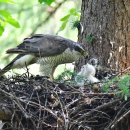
{"points": [[108, 21]]}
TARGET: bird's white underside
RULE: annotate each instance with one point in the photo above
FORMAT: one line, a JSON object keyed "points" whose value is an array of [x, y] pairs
{"points": [[23, 61]]}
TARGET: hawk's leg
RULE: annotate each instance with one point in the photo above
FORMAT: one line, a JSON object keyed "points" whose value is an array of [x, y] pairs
{"points": [[47, 70]]}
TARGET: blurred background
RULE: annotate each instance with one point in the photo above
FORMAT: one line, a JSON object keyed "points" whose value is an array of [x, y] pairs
{"points": [[57, 17]]}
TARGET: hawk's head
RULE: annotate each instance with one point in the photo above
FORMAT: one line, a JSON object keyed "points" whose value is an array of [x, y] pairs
{"points": [[81, 50]]}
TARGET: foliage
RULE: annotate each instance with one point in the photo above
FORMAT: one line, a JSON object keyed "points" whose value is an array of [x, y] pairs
{"points": [[106, 86], [72, 13], [71, 78], [7, 1], [6, 17], [89, 38], [122, 83], [48, 2], [124, 86], [76, 24], [110, 83], [66, 75]]}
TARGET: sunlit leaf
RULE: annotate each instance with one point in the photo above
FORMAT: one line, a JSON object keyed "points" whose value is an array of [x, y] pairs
{"points": [[48, 2], [63, 26], [5, 13], [2, 22], [8, 18], [73, 13], [7, 1], [1, 30], [65, 18], [73, 10], [13, 22]]}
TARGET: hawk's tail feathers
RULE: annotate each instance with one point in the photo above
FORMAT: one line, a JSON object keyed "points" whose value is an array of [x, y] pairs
{"points": [[15, 50], [6, 68]]}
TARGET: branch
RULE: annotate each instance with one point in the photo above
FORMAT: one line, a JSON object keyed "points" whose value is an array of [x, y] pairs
{"points": [[48, 17]]}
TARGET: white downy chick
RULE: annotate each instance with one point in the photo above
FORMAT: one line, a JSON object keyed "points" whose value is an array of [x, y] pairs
{"points": [[87, 73]]}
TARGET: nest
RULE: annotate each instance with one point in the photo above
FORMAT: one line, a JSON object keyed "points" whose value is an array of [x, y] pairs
{"points": [[36, 103]]}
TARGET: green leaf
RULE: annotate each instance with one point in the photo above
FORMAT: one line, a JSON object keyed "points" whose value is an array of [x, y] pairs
{"points": [[2, 22], [13, 22], [7, 1], [9, 19], [90, 38], [73, 11], [105, 87], [48, 2], [63, 25], [75, 24], [65, 18], [5, 13], [40, 1], [1, 30], [66, 75]]}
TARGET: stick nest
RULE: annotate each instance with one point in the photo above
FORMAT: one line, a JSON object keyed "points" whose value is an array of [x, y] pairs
{"points": [[36, 103]]}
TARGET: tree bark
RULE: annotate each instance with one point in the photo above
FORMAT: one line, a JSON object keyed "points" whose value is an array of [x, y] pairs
{"points": [[106, 32]]}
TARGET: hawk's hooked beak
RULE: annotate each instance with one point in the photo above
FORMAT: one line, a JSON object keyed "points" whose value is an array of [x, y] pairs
{"points": [[84, 52], [79, 48]]}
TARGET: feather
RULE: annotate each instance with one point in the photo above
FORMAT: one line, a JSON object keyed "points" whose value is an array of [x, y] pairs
{"points": [[46, 45], [46, 50], [19, 62]]}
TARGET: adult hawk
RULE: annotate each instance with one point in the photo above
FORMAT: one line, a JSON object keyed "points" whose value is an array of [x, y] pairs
{"points": [[47, 50]]}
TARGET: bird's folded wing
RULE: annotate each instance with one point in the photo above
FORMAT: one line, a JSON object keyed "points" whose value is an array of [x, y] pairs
{"points": [[43, 45]]}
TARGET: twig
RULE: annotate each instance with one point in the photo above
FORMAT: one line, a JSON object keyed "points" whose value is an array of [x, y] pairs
{"points": [[72, 111], [119, 113], [118, 120], [42, 108], [104, 106], [16, 101], [48, 17]]}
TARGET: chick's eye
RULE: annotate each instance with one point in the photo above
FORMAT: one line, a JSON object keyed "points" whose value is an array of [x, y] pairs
{"points": [[82, 67]]}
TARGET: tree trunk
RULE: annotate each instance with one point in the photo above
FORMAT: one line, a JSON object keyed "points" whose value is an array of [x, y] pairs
{"points": [[106, 32], [106, 36]]}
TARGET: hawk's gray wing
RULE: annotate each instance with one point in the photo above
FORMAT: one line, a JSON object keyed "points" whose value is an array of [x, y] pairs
{"points": [[45, 45]]}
